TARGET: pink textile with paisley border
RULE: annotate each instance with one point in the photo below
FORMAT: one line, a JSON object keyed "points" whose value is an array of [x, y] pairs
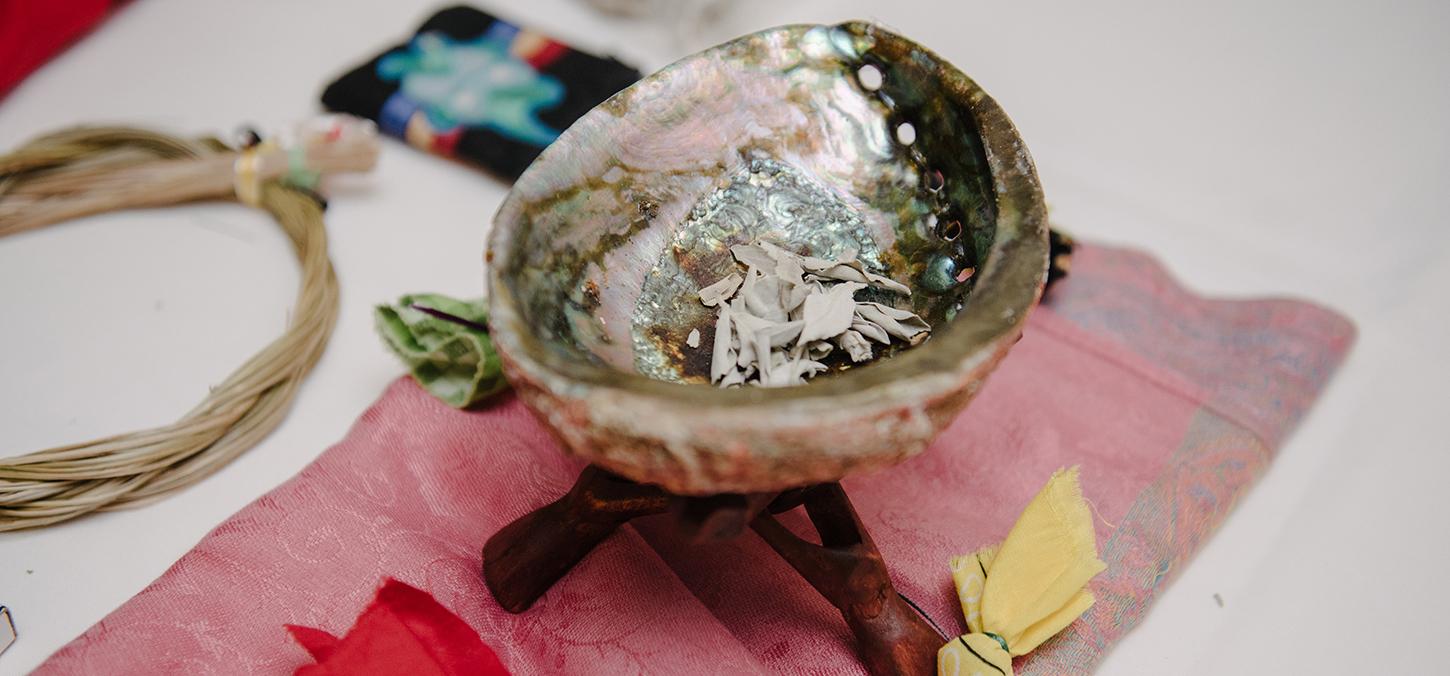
{"points": [[1172, 404]]}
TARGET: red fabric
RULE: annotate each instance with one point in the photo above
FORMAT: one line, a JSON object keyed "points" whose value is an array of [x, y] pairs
{"points": [[1171, 403], [32, 31], [549, 53], [318, 643], [403, 631], [446, 144]]}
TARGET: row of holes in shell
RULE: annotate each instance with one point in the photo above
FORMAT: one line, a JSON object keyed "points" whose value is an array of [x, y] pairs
{"points": [[949, 226]]}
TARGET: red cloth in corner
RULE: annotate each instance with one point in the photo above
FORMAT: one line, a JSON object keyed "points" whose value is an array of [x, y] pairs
{"points": [[403, 631], [32, 31]]}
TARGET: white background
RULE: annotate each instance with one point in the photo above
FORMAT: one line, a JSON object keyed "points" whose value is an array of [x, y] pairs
{"points": [[1297, 147]]}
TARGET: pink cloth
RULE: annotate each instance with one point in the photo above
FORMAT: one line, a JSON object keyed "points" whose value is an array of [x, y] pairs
{"points": [[1172, 404]]}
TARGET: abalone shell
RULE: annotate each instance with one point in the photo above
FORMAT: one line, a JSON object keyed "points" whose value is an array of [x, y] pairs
{"points": [[828, 140]]}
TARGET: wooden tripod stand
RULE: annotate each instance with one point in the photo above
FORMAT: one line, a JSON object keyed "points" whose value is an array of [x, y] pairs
{"points": [[525, 558]]}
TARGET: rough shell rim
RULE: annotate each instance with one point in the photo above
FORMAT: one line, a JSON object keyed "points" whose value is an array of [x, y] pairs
{"points": [[1009, 284]]}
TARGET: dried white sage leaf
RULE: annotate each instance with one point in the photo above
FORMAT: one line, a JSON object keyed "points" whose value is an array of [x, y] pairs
{"points": [[828, 314], [854, 345], [870, 330], [795, 296], [819, 349], [764, 359], [774, 251], [790, 270], [883, 282], [746, 358], [721, 359], [721, 291], [762, 296], [855, 271], [783, 334], [807, 368], [786, 371], [734, 377], [753, 256], [789, 311], [900, 323]]}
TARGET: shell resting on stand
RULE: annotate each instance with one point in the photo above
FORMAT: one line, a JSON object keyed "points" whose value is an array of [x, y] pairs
{"points": [[825, 140]]}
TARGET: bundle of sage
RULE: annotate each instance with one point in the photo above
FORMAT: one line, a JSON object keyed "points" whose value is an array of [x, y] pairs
{"points": [[787, 312]]}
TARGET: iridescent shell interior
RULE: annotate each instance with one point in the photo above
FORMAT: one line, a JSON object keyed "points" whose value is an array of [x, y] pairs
{"points": [[805, 136]]}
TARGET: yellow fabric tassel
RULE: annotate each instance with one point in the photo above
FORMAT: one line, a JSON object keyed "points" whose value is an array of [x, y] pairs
{"points": [[1020, 593]]}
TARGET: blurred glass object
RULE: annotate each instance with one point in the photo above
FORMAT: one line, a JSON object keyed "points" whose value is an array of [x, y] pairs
{"points": [[687, 19]]}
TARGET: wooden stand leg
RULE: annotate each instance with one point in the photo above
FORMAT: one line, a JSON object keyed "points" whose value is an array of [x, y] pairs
{"points": [[526, 557], [847, 569]]}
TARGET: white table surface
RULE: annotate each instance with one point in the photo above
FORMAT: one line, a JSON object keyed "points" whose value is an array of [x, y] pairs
{"points": [[1297, 147]]}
